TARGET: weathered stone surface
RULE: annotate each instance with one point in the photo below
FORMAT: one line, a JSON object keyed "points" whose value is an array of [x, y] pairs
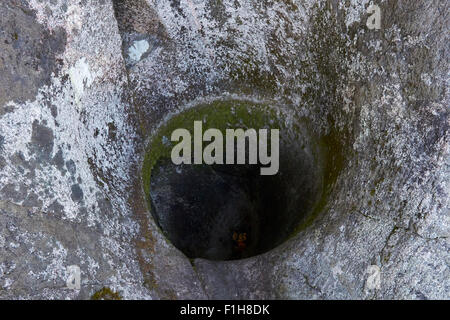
{"points": [[67, 157], [28, 53], [76, 108]]}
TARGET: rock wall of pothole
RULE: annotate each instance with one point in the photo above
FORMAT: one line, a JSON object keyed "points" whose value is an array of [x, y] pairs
{"points": [[232, 211], [74, 133]]}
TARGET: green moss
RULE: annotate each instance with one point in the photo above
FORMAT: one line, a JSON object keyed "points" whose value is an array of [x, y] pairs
{"points": [[106, 294], [230, 114], [150, 282], [332, 146], [386, 257], [331, 149]]}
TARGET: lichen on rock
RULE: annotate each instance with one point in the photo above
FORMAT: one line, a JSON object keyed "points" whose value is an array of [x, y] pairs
{"points": [[77, 113]]}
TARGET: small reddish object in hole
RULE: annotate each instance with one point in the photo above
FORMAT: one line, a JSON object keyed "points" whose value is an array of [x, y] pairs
{"points": [[240, 240]]}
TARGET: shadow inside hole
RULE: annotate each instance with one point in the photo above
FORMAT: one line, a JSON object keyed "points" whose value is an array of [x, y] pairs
{"points": [[225, 212]]}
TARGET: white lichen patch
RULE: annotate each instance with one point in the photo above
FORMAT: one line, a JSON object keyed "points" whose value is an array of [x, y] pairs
{"points": [[50, 13], [138, 49], [80, 77], [354, 11], [66, 156]]}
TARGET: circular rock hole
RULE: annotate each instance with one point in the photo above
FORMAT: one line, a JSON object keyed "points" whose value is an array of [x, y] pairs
{"points": [[225, 211]]}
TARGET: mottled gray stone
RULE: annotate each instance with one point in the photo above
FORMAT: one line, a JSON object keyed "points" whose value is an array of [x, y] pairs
{"points": [[42, 140], [28, 52], [77, 193], [380, 95]]}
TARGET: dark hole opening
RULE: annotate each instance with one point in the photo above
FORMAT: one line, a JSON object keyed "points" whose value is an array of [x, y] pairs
{"points": [[225, 212]]}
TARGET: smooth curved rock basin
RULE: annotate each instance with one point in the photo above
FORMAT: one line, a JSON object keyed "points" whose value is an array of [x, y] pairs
{"points": [[203, 209]]}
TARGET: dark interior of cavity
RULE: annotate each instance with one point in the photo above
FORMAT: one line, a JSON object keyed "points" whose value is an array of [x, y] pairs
{"points": [[224, 212]]}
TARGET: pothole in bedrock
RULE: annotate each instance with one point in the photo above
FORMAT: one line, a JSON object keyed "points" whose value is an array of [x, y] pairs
{"points": [[231, 211]]}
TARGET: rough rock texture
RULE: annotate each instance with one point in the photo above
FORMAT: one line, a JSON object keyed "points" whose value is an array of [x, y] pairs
{"points": [[84, 83], [65, 178]]}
